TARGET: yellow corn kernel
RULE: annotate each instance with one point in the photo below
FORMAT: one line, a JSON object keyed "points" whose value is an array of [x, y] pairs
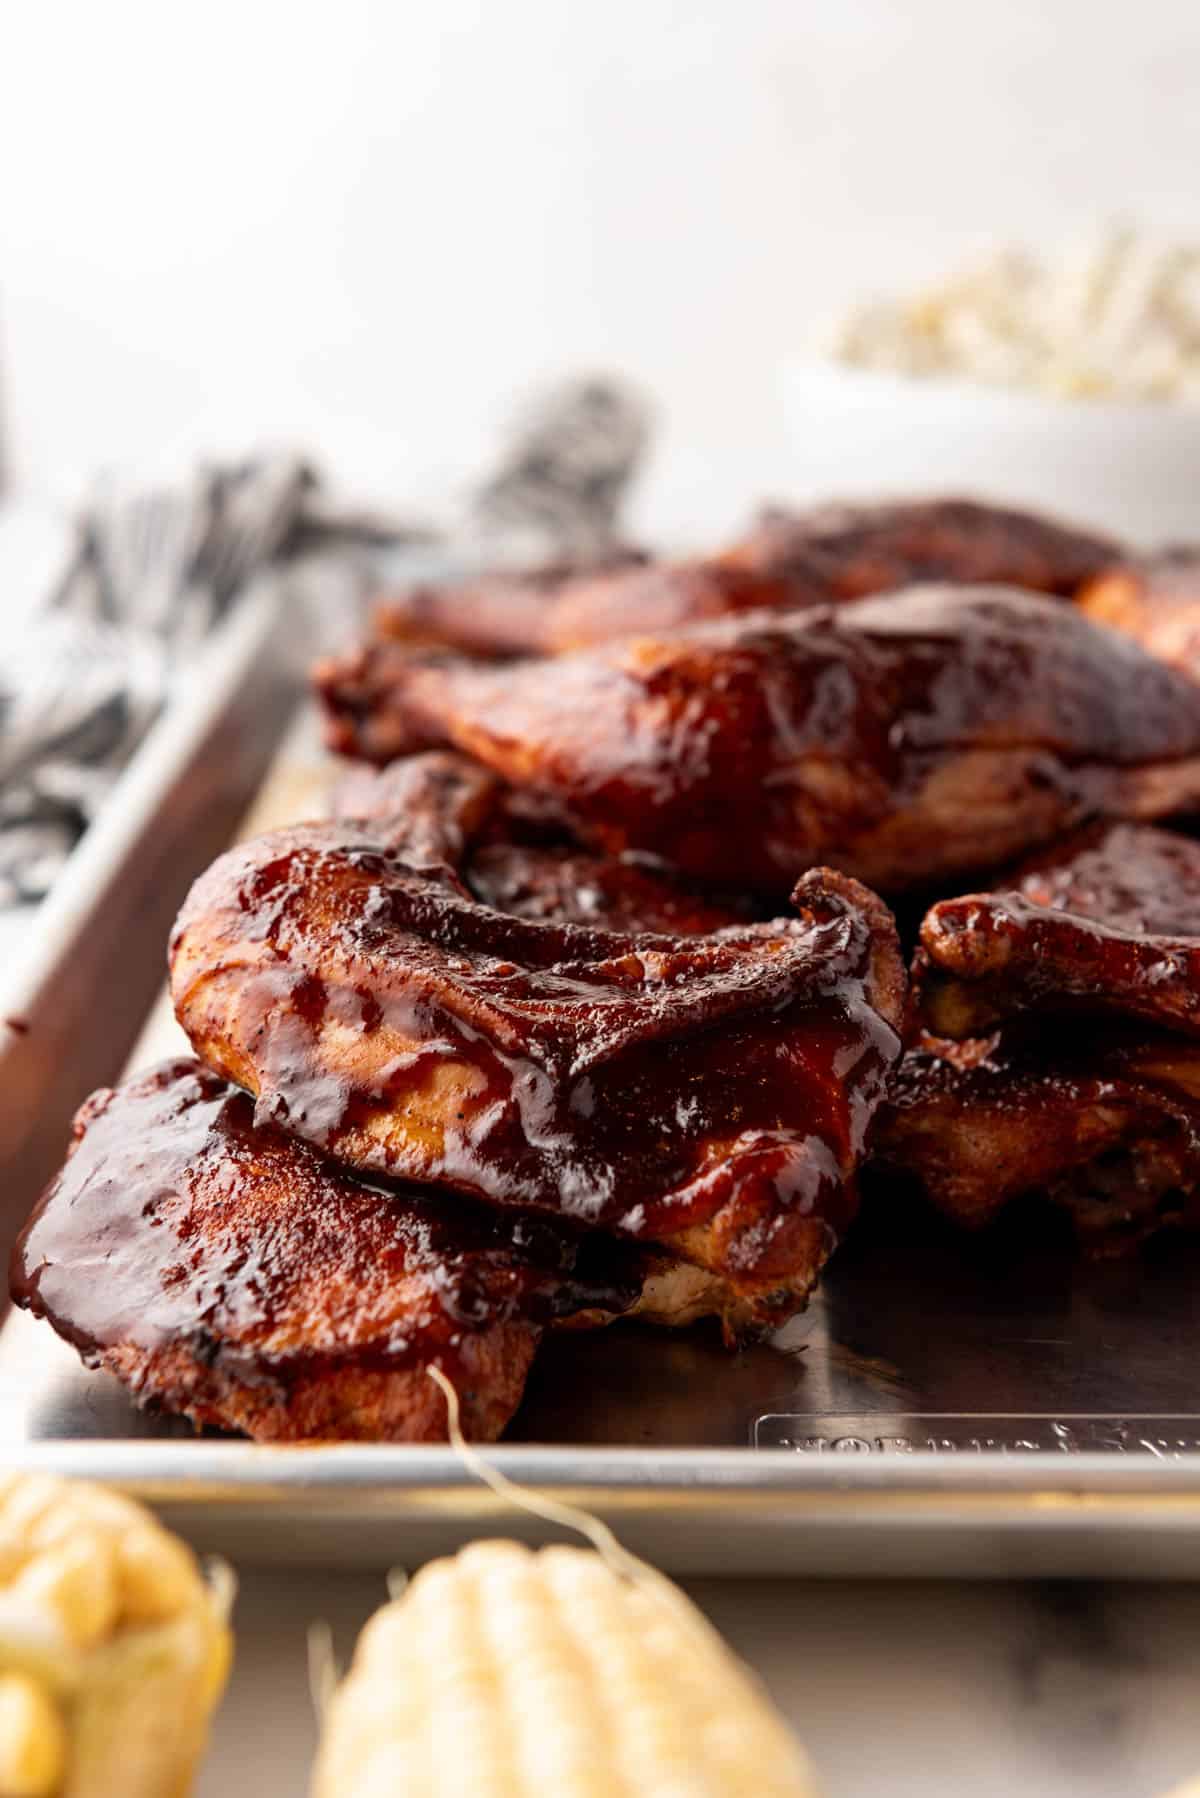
{"points": [[75, 1581], [504, 1673], [33, 1739], [156, 1575]]}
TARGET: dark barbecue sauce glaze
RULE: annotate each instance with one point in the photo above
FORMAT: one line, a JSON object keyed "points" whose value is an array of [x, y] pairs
{"points": [[1107, 922], [1103, 1122], [646, 1083], [840, 552], [178, 1221], [830, 554], [518, 856], [907, 739]]}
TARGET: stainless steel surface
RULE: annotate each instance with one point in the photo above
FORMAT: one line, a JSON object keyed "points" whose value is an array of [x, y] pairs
{"points": [[982, 1347], [76, 983], [947, 1406]]}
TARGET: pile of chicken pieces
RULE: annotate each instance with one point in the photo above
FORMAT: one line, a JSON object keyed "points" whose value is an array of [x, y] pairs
{"points": [[662, 903]]}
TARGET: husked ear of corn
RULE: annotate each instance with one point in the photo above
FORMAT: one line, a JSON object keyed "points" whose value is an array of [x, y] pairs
{"points": [[113, 1648], [505, 1673]]}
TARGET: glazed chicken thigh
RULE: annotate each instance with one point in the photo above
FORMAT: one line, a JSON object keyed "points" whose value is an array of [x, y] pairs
{"points": [[907, 740], [828, 555], [1059, 1018], [840, 552], [1107, 922], [225, 1271], [1105, 1128], [708, 1094]]}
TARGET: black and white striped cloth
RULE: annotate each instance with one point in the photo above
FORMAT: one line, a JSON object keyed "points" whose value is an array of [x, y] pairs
{"points": [[145, 576], [561, 485]]}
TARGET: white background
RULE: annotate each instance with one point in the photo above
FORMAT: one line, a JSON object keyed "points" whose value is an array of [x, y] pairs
{"points": [[366, 226]]}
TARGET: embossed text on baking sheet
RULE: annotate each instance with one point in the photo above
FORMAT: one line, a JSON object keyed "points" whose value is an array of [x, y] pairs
{"points": [[1166, 1438]]}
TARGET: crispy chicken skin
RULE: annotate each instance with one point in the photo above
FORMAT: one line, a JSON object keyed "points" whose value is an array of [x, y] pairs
{"points": [[1107, 1129], [787, 560], [831, 555], [1106, 922], [826, 555], [496, 614], [432, 809], [708, 1094], [1155, 600], [661, 597], [907, 740], [513, 855], [839, 552], [1098, 1113], [224, 1271]]}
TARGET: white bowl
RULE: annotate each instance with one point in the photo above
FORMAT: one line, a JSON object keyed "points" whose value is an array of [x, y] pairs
{"points": [[1130, 469]]}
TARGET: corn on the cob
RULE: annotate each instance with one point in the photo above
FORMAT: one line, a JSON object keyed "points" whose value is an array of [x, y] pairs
{"points": [[113, 1650], [504, 1673]]}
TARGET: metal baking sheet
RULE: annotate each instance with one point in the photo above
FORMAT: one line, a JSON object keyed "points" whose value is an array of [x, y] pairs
{"points": [[986, 1406], [79, 970]]}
